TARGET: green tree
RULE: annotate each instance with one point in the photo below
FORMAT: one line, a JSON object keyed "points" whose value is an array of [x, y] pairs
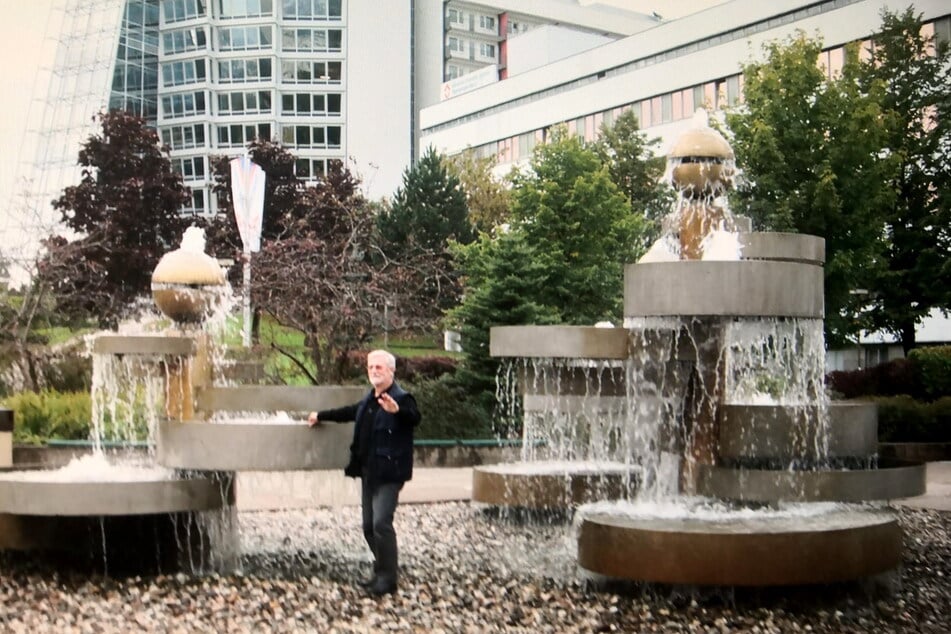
{"points": [[808, 148], [581, 228], [488, 198], [428, 210], [126, 211], [503, 275], [910, 75], [636, 169], [428, 213]]}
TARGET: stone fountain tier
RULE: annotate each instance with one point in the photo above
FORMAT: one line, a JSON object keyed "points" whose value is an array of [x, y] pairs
{"points": [[23, 496], [836, 546], [248, 442], [889, 480], [552, 485], [145, 345]]}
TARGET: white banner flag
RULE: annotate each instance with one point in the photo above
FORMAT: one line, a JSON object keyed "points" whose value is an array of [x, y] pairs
{"points": [[247, 193]]}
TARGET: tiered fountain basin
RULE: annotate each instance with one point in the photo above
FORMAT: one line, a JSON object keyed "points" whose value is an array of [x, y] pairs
{"points": [[243, 439], [589, 388], [734, 549]]}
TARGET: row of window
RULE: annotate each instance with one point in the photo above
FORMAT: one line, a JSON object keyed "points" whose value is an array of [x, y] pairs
{"points": [[179, 10], [253, 38], [304, 136], [293, 71], [243, 102], [480, 22]]}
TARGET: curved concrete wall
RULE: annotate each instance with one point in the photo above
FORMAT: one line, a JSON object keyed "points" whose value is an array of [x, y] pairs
{"points": [[856, 485], [779, 431], [792, 247], [755, 288], [250, 447]]}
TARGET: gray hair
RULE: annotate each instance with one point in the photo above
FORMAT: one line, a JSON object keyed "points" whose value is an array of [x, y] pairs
{"points": [[389, 358]]}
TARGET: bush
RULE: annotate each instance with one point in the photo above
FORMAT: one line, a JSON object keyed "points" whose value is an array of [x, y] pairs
{"points": [[903, 419], [893, 378], [448, 412], [934, 370], [49, 414]]}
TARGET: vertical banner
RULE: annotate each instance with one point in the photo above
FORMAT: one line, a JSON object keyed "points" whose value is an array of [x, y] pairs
{"points": [[247, 194]]}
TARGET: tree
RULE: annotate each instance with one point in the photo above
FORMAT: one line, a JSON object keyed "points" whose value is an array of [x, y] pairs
{"points": [[808, 148], [636, 170], [581, 227], [428, 210], [911, 76], [488, 199], [428, 213], [126, 212]]}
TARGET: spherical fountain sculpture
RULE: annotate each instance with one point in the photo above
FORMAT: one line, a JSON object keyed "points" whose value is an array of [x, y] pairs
{"points": [[173, 509], [747, 475]]}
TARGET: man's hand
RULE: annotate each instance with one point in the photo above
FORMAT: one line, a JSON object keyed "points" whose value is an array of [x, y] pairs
{"points": [[389, 405], [312, 419]]}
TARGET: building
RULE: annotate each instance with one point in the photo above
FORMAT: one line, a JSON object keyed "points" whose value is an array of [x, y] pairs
{"points": [[664, 73]]}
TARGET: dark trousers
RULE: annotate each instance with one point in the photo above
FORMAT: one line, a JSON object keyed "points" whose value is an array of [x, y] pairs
{"points": [[379, 502]]}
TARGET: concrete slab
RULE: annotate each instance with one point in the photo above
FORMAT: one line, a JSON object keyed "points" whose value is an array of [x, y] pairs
{"points": [[937, 493]]}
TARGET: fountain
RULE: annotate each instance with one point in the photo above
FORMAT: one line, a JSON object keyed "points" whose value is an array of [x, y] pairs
{"points": [[179, 499], [709, 405]]}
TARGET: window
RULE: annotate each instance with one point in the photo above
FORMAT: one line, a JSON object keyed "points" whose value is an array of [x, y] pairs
{"points": [[196, 205], [239, 135], [244, 8], [243, 38], [313, 168], [312, 40], [487, 22], [237, 71], [191, 168], [311, 136], [182, 137], [183, 41], [457, 17], [487, 50], [189, 71], [307, 104], [247, 102], [312, 9], [298, 71], [178, 10], [183, 104]]}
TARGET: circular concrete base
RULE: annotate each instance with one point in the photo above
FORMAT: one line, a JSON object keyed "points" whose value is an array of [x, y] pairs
{"points": [[20, 495], [749, 551], [551, 485]]}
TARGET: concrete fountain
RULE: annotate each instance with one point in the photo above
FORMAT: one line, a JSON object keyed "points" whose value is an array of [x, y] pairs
{"points": [[729, 465], [179, 498]]}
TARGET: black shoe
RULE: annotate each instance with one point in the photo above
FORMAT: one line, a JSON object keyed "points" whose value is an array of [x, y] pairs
{"points": [[381, 587]]}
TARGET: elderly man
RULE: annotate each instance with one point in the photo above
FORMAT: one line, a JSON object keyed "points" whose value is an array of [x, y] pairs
{"points": [[381, 455]]}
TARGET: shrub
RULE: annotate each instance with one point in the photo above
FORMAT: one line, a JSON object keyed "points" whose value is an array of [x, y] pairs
{"points": [[893, 378], [449, 412], [49, 414], [934, 370], [903, 419]]}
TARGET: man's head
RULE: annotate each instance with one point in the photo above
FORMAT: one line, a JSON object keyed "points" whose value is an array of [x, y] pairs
{"points": [[380, 368]]}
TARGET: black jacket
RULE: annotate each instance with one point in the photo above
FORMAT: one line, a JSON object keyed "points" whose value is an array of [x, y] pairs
{"points": [[388, 454]]}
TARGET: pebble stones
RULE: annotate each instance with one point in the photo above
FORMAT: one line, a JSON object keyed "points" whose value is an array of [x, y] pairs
{"points": [[464, 569]]}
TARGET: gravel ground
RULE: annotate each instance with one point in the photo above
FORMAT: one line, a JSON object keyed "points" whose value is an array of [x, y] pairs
{"points": [[463, 570]]}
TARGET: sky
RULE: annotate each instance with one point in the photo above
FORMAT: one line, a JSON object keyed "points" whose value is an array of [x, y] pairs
{"points": [[27, 54]]}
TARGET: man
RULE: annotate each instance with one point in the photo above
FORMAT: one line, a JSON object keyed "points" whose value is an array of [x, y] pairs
{"points": [[381, 455]]}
